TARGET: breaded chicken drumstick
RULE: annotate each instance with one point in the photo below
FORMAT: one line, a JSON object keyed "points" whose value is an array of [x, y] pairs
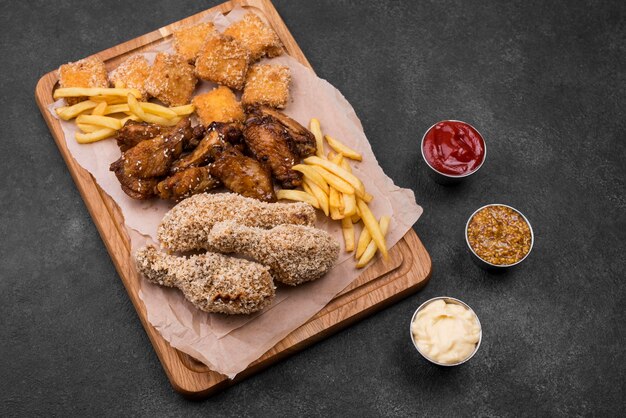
{"points": [[211, 282], [294, 253], [186, 226]]}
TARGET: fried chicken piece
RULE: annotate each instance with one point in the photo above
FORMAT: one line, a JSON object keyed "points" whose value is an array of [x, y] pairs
{"points": [[303, 140], [223, 60], [294, 253], [186, 183], [259, 38], [153, 157], [171, 80], [133, 133], [187, 225], [202, 153], [218, 105], [270, 143], [239, 173], [211, 282], [189, 41], [88, 72], [267, 85], [132, 74], [139, 167]]}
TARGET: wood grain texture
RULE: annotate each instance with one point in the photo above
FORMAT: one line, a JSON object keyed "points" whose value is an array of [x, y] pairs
{"points": [[384, 282]]}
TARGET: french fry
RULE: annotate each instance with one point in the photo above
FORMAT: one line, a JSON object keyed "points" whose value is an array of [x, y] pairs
{"points": [[349, 204], [335, 204], [370, 251], [311, 174], [87, 128], [370, 223], [158, 110], [130, 117], [367, 197], [337, 159], [100, 109], [345, 165], [103, 121], [316, 130], [331, 155], [364, 239], [307, 189], [70, 112], [117, 108], [136, 108], [359, 188], [94, 91], [343, 149], [320, 195], [183, 110], [297, 195], [98, 135], [356, 218], [112, 100], [348, 234], [334, 181]]}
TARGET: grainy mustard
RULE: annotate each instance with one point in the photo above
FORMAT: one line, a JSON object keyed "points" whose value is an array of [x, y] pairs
{"points": [[499, 235]]}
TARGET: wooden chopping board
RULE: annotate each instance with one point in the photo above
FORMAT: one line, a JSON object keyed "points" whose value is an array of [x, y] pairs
{"points": [[407, 270]]}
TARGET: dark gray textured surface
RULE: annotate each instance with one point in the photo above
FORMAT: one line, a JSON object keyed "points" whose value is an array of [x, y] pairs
{"points": [[545, 83]]}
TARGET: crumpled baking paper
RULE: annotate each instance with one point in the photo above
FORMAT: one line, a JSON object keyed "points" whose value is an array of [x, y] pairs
{"points": [[228, 344]]}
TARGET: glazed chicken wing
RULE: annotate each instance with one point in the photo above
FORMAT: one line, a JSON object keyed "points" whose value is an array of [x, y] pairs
{"points": [[186, 183], [302, 138], [269, 143], [201, 154], [133, 133], [239, 173]]}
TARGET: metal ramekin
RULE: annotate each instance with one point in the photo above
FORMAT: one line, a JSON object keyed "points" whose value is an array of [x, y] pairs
{"points": [[497, 267], [446, 299], [443, 178]]}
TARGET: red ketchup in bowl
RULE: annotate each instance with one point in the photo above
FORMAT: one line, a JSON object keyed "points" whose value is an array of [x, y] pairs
{"points": [[453, 148]]}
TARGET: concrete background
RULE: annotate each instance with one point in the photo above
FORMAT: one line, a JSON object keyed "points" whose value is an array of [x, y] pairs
{"points": [[544, 82]]}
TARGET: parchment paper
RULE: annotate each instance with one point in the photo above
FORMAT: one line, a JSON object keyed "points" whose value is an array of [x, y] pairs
{"points": [[228, 344]]}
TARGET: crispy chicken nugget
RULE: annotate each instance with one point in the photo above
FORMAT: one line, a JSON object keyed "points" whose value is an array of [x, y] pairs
{"points": [[189, 41], [255, 35], [218, 105], [132, 74], [267, 85], [88, 72], [223, 60], [171, 80]]}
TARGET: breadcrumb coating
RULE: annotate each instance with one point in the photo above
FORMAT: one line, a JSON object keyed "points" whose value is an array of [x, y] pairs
{"points": [[267, 85], [223, 60], [187, 225], [259, 38], [211, 282], [171, 80], [189, 41], [218, 105], [88, 72], [132, 74], [294, 253]]}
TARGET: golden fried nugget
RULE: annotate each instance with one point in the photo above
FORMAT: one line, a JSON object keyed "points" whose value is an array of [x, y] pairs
{"points": [[132, 74], [255, 35], [88, 72], [218, 105], [189, 41], [171, 80], [267, 85], [223, 60]]}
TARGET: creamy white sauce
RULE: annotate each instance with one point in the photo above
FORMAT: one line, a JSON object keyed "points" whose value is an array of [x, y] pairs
{"points": [[446, 332]]}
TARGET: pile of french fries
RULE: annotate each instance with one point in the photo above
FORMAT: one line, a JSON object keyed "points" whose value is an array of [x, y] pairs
{"points": [[107, 109], [329, 185]]}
